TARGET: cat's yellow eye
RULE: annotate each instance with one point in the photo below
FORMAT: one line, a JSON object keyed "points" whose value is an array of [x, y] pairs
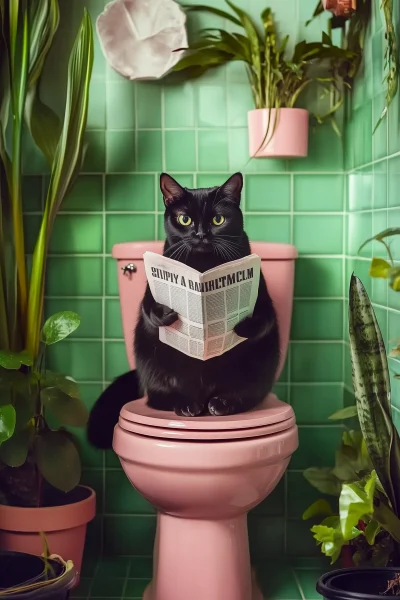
{"points": [[218, 219], [184, 220]]}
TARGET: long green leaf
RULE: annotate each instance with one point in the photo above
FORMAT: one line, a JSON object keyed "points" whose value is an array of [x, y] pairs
{"points": [[19, 70], [66, 165], [372, 391], [44, 16], [205, 57], [391, 231], [210, 9], [252, 34], [43, 123]]}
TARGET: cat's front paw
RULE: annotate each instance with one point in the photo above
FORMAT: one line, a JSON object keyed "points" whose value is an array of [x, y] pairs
{"points": [[219, 407], [188, 408], [162, 316], [252, 328]]}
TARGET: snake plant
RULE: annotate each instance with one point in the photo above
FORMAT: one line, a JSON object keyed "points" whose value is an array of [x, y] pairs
{"points": [[371, 385], [366, 475]]}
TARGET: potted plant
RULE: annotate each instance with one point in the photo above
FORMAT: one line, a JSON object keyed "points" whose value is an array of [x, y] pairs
{"points": [[25, 575], [375, 501], [277, 127], [39, 464], [362, 530]]}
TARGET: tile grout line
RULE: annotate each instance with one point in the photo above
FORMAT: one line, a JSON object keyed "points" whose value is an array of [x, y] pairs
{"points": [[125, 585], [299, 586], [289, 382]]}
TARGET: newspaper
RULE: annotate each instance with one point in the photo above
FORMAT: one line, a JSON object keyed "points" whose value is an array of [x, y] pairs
{"points": [[209, 304]]}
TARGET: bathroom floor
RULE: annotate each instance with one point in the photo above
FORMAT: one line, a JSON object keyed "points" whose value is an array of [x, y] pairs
{"points": [[126, 578]]}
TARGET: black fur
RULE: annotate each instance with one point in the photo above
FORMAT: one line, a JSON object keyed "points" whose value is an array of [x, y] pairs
{"points": [[228, 384]]}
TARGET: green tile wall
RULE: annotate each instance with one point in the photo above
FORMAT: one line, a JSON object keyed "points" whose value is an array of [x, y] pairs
{"points": [[373, 201], [198, 133]]}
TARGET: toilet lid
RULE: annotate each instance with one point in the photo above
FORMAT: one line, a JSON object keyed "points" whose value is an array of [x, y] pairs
{"points": [[271, 416]]}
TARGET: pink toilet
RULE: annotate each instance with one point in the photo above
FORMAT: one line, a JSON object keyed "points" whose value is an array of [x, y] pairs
{"points": [[205, 473]]}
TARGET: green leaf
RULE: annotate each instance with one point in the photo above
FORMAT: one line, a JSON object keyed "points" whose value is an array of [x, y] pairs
{"points": [[395, 352], [345, 413], [379, 268], [65, 168], [59, 326], [253, 36], [43, 123], [319, 507], [391, 231], [386, 517], [329, 535], [323, 480], [58, 380], [211, 10], [326, 39], [67, 410], [352, 461], [206, 57], [372, 391], [318, 11], [14, 360], [44, 18], [371, 531], [355, 503], [14, 452], [58, 460], [394, 278], [7, 422]]}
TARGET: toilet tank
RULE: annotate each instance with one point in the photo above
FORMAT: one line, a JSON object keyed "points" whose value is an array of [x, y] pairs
{"points": [[277, 264]]}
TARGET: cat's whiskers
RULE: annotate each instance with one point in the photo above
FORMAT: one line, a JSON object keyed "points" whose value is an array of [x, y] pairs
{"points": [[228, 249], [177, 250]]}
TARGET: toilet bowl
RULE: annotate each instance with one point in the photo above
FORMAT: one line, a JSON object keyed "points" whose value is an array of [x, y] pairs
{"points": [[204, 474]]}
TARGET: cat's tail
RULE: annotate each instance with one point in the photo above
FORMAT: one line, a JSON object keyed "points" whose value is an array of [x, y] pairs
{"points": [[105, 413]]}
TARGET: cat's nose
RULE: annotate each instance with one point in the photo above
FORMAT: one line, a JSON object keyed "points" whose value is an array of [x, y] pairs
{"points": [[201, 235]]}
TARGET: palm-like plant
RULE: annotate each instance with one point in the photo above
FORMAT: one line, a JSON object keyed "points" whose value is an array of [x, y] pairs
{"points": [[276, 81], [27, 30]]}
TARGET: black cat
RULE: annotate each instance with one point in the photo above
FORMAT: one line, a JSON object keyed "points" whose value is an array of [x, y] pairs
{"points": [[204, 229]]}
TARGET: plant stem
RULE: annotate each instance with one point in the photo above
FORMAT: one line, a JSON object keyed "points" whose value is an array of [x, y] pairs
{"points": [[19, 75]]}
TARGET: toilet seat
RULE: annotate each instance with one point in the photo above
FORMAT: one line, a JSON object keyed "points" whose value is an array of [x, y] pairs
{"points": [[271, 416]]}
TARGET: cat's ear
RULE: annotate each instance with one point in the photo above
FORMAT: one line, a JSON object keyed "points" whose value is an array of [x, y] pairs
{"points": [[233, 187], [171, 190]]}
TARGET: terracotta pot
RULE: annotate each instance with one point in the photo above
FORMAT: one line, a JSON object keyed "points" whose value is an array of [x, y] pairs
{"points": [[340, 8], [289, 139], [64, 527]]}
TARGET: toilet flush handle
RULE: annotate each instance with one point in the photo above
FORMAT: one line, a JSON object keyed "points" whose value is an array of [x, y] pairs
{"points": [[129, 269]]}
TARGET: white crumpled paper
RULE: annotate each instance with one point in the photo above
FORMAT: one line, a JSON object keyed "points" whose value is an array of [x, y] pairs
{"points": [[138, 36]]}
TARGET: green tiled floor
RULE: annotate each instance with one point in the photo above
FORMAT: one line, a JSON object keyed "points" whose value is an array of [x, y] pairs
{"points": [[127, 578]]}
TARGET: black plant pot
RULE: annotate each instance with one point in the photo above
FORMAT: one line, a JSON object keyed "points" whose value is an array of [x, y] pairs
{"points": [[18, 569], [357, 584]]}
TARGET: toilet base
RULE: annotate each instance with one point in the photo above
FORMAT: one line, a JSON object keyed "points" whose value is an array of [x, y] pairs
{"points": [[255, 594], [196, 559]]}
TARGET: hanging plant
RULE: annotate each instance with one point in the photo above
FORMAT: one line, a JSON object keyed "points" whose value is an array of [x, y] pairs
{"points": [[277, 127]]}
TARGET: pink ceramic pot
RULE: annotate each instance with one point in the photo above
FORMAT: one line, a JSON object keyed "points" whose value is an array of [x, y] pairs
{"points": [[63, 526], [290, 138]]}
